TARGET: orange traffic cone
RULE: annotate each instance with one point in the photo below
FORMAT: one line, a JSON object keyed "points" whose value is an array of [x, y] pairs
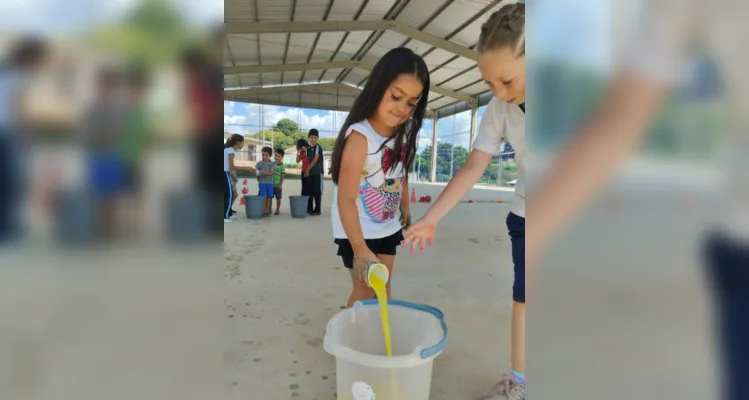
{"points": [[413, 195]]}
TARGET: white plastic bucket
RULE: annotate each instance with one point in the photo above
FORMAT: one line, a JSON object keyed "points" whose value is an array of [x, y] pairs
{"points": [[363, 370]]}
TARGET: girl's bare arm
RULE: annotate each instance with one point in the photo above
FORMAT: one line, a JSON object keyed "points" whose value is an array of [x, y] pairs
{"points": [[594, 154], [349, 177]]}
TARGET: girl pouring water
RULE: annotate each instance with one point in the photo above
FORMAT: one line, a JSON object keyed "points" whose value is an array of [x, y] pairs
{"points": [[373, 152], [502, 65]]}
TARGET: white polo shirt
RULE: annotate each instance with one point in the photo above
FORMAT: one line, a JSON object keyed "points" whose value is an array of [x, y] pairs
{"points": [[671, 32], [504, 122]]}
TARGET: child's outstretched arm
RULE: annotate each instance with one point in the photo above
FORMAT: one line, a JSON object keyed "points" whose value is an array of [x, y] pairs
{"points": [[405, 205], [352, 163], [591, 157], [235, 167], [422, 231]]}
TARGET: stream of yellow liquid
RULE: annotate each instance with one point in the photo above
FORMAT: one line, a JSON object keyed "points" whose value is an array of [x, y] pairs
{"points": [[382, 300]]}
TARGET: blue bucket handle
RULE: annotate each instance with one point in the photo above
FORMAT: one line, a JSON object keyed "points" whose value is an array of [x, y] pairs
{"points": [[431, 351]]}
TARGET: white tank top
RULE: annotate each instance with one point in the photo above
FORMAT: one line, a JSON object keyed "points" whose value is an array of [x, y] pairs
{"points": [[380, 189]]}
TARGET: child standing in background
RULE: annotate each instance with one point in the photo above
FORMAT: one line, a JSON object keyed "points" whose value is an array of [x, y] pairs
{"points": [[279, 175], [234, 143], [314, 173], [265, 170], [301, 157]]}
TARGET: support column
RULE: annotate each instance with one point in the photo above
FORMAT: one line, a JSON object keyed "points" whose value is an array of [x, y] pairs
{"points": [[433, 160], [474, 122]]}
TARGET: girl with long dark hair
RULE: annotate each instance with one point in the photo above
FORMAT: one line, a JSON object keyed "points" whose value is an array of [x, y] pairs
{"points": [[371, 157], [233, 143]]}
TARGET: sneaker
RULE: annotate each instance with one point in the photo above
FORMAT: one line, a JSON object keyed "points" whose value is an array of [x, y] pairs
{"points": [[315, 213], [506, 389], [227, 220]]}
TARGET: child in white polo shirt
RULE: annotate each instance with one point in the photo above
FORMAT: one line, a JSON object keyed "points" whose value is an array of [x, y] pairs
{"points": [[502, 65]]}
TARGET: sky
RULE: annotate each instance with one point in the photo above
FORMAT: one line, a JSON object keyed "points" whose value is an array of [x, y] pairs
{"points": [[577, 31], [73, 16], [244, 118]]}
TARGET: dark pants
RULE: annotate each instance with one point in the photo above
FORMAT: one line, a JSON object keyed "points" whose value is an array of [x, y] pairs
{"points": [[728, 272], [208, 151], [228, 194], [516, 227], [11, 186], [305, 185], [315, 193]]}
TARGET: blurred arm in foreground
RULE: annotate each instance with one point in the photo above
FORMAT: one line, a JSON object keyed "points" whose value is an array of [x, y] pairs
{"points": [[593, 156], [669, 36], [612, 134]]}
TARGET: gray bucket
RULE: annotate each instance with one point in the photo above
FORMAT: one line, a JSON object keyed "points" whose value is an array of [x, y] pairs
{"points": [[254, 206], [186, 219], [75, 214], [298, 206]]}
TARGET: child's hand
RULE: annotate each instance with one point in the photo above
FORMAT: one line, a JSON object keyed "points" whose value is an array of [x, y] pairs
{"points": [[362, 260], [419, 234], [405, 218]]}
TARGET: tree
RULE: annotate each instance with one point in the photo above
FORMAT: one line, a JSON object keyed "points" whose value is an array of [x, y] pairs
{"points": [[279, 139], [326, 143], [447, 154], [459, 155], [287, 126], [151, 34]]}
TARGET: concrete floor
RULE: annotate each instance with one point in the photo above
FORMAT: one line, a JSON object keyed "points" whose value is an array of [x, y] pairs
{"points": [[285, 282]]}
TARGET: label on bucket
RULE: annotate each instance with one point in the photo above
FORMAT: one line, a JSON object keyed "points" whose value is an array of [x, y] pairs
{"points": [[362, 391]]}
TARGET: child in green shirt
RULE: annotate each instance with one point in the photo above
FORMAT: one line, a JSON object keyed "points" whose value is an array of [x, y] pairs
{"points": [[279, 175]]}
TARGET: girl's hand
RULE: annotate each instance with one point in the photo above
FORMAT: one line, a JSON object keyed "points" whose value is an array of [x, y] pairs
{"points": [[362, 259], [419, 234], [405, 218]]}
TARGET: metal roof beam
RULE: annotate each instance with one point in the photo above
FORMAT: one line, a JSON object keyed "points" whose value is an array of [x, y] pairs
{"points": [[254, 69], [304, 27], [349, 26], [230, 94], [451, 93], [329, 65], [435, 41]]}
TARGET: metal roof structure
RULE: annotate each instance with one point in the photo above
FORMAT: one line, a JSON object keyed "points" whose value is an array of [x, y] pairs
{"points": [[318, 53]]}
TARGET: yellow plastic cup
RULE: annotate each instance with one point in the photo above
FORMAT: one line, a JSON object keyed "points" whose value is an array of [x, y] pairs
{"points": [[378, 270]]}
